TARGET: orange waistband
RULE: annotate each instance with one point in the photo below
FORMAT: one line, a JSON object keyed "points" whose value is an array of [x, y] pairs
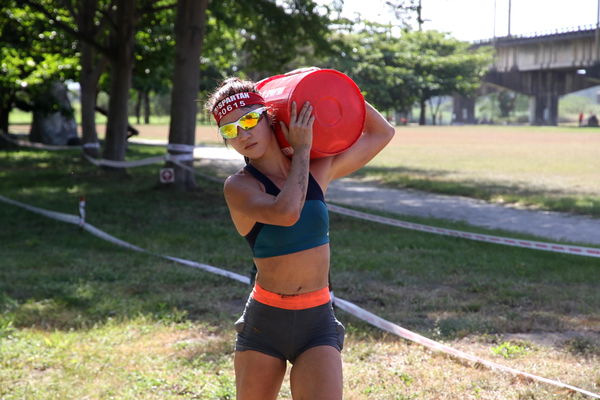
{"points": [[291, 301]]}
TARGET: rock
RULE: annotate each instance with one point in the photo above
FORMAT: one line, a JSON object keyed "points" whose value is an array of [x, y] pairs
{"points": [[55, 128]]}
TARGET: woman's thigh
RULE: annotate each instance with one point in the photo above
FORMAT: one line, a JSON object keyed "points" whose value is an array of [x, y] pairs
{"points": [[257, 375], [317, 374]]}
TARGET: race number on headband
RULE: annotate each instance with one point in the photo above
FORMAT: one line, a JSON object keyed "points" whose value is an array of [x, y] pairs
{"points": [[234, 102]]}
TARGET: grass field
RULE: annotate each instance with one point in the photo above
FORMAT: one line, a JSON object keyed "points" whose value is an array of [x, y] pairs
{"points": [[82, 318], [553, 168], [550, 168]]}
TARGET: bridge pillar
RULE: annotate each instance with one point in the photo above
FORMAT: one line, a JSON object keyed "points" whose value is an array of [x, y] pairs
{"points": [[463, 109], [543, 109]]}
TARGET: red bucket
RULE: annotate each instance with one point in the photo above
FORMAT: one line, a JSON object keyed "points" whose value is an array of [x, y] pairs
{"points": [[339, 107]]}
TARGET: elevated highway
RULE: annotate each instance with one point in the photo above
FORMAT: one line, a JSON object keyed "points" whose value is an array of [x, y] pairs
{"points": [[543, 67]]}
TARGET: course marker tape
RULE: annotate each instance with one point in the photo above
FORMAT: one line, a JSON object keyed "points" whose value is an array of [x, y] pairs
{"points": [[552, 247], [138, 163], [26, 143], [344, 305], [182, 148], [175, 158], [422, 340], [76, 220]]}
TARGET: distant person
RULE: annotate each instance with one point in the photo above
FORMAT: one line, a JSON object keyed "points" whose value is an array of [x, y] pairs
{"points": [[277, 203], [593, 120], [580, 119]]}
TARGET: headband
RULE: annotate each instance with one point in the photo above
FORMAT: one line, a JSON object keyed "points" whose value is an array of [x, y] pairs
{"points": [[234, 102]]}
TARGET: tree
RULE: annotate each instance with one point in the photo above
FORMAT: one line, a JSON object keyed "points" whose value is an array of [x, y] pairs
{"points": [[121, 66], [271, 35], [255, 24], [506, 102], [77, 18], [442, 65], [189, 34], [93, 61], [120, 18], [105, 33], [405, 10], [154, 58], [34, 55], [375, 61]]}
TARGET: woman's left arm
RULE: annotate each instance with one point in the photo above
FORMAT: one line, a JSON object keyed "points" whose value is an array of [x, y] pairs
{"points": [[376, 134]]}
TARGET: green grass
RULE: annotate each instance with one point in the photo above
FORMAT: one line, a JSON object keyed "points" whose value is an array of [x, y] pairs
{"points": [[550, 168], [81, 317]]}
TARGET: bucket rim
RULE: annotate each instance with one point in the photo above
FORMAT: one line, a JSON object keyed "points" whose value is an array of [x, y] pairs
{"points": [[299, 71]]}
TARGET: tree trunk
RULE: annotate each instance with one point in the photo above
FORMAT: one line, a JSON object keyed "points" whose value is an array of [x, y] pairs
{"points": [[138, 106], [88, 82], [189, 35], [423, 106], [92, 66], [121, 71], [4, 112], [147, 107]]}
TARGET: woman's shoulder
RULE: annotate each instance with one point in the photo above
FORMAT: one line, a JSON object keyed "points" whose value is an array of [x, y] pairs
{"points": [[240, 180]]}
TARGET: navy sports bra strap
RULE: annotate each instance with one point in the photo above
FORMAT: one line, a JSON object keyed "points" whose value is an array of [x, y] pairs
{"points": [[314, 191], [270, 187]]}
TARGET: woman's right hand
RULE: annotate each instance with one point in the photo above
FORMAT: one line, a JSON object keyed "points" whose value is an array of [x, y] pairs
{"points": [[300, 132]]}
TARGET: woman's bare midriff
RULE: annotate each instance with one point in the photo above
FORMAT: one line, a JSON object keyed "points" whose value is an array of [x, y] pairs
{"points": [[296, 273]]}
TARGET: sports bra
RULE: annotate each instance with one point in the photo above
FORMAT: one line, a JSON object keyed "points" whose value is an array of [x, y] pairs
{"points": [[311, 229]]}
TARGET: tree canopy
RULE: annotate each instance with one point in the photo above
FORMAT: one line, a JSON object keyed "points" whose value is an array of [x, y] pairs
{"points": [[394, 72], [33, 54], [131, 44]]}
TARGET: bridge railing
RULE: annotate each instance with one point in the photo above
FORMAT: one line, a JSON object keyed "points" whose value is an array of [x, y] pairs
{"points": [[540, 34]]}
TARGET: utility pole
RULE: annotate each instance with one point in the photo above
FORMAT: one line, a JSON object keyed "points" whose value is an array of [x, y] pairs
{"points": [[597, 41], [420, 18], [495, 19], [509, 14]]}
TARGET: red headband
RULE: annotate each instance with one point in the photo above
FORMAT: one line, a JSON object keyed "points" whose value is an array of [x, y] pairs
{"points": [[234, 102]]}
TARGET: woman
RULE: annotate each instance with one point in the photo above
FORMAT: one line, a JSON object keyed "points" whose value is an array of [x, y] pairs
{"points": [[277, 204]]}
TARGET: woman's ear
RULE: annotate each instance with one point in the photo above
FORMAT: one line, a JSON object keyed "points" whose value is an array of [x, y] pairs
{"points": [[271, 116]]}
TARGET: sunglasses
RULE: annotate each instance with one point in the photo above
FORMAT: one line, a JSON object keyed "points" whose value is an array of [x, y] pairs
{"points": [[246, 122]]}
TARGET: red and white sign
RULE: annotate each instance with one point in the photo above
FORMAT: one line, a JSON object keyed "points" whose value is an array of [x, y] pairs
{"points": [[167, 175]]}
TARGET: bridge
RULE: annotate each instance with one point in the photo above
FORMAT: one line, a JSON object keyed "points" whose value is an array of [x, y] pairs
{"points": [[543, 67]]}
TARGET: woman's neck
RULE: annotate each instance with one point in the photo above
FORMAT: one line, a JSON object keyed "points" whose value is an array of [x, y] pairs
{"points": [[273, 162]]}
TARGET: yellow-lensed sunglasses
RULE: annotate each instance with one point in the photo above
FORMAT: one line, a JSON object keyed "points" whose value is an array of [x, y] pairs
{"points": [[246, 122]]}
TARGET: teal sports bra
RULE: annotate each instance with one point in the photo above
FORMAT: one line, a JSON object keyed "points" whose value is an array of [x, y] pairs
{"points": [[311, 230]]}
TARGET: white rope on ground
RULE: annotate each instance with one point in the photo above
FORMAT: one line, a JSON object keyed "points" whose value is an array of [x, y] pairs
{"points": [[26, 143], [344, 305], [175, 158], [76, 220], [529, 244], [139, 163], [388, 326]]}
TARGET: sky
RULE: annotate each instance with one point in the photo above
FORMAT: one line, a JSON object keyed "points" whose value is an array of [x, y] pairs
{"points": [[473, 20]]}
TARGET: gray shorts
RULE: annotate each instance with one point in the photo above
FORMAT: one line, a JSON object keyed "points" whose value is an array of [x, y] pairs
{"points": [[286, 333]]}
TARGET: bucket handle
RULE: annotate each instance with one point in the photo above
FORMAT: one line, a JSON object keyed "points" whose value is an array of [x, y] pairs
{"points": [[301, 70]]}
